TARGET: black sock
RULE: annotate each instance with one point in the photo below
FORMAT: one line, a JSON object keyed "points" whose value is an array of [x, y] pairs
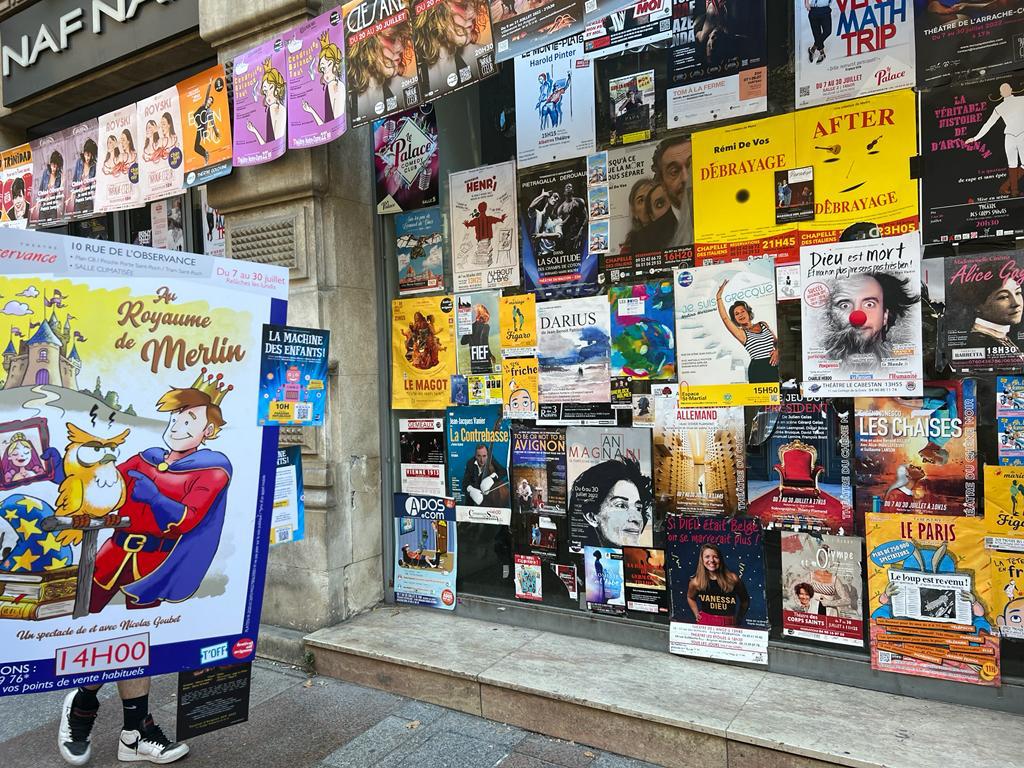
{"points": [[135, 711], [85, 700]]}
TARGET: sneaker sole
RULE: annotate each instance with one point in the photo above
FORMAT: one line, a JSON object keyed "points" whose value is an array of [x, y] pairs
{"points": [[137, 758]]}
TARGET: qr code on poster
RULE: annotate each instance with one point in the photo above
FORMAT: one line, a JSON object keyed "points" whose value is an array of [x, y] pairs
{"points": [[486, 65], [282, 535], [303, 411], [411, 96]]}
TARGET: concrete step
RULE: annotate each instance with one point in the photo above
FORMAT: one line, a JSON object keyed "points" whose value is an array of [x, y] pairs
{"points": [[654, 706]]}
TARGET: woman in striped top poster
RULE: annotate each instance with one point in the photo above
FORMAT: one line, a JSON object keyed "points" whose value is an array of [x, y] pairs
{"points": [[757, 338]]}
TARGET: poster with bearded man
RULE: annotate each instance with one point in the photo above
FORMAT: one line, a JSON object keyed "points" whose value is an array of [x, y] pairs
{"points": [[861, 314]]}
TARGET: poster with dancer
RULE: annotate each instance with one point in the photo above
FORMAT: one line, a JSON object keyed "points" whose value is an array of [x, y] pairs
{"points": [[971, 134], [406, 160], [864, 297], [422, 351], [518, 323], [852, 49], [85, 471], [1008, 594], [519, 26], [573, 350], [476, 328], [454, 45], [426, 550], [81, 159], [554, 103], [206, 123], [478, 451], [635, 26], [719, 608], [49, 156], [422, 456], [419, 246], [117, 183], [261, 104], [643, 330], [316, 81], [964, 41], [482, 205], [822, 588], [162, 161]]}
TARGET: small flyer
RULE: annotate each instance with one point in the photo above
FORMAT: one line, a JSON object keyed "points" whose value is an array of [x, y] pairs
{"points": [[426, 552], [528, 578], [606, 591], [293, 376], [518, 325], [288, 521]]}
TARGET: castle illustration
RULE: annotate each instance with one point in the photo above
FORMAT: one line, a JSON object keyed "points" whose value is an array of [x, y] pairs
{"points": [[48, 357]]}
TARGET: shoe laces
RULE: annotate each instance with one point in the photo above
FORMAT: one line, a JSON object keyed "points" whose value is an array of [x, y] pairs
{"points": [[80, 722], [154, 735]]}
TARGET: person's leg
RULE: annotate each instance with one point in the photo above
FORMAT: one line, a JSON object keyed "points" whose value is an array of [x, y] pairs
{"points": [[78, 713], [141, 738], [134, 701]]}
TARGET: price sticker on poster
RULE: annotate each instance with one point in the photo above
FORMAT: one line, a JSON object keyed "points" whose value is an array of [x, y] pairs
{"points": [[293, 376]]}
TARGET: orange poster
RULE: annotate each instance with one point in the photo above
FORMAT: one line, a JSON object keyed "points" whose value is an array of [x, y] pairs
{"points": [[206, 123]]}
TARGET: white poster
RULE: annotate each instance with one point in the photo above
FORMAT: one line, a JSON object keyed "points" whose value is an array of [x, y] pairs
{"points": [[168, 223], [161, 161], [485, 248], [573, 350], [422, 455], [117, 183]]}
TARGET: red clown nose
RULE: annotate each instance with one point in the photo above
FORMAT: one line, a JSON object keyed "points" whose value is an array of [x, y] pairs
{"points": [[858, 318]]}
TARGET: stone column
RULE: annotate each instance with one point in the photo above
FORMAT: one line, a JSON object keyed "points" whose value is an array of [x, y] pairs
{"points": [[312, 211]]}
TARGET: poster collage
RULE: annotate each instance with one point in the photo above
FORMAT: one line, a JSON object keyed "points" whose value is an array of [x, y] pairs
{"points": [[763, 379]]}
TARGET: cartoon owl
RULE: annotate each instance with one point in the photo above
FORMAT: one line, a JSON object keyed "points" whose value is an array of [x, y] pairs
{"points": [[92, 486]]}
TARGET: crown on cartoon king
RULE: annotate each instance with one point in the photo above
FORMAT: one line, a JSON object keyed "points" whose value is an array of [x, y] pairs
{"points": [[212, 386]]}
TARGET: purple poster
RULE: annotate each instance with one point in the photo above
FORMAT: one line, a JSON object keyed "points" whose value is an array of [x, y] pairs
{"points": [[316, 81], [80, 161], [405, 156], [49, 157], [261, 113]]}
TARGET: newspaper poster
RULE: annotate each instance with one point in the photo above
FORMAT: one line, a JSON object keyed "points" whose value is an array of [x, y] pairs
{"points": [[699, 460], [719, 608], [520, 380], [206, 126], [83, 153], [646, 580], [422, 456], [972, 171], [860, 154], [18, 191], [485, 251], [852, 49], [605, 580], [864, 297], [422, 351], [476, 327], [117, 183], [518, 325], [261, 105], [734, 190], [964, 41], [1008, 594], [528, 581], [799, 463], [478, 452], [99, 434], [1004, 507], [822, 588], [610, 487], [49, 155], [573, 350], [554, 103], [637, 25], [919, 455], [316, 81], [643, 330], [406, 160], [930, 597], [288, 521], [981, 327], [631, 101], [553, 223], [519, 26], [454, 45], [419, 247], [293, 376], [426, 550], [727, 334], [162, 162], [717, 63], [538, 470], [380, 59]]}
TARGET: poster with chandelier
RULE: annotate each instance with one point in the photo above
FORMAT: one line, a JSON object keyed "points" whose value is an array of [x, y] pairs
{"points": [[316, 81], [261, 109]]}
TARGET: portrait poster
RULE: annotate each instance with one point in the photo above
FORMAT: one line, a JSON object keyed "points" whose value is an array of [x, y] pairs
{"points": [[478, 453], [422, 456], [822, 588], [643, 330], [1004, 508], [422, 351], [426, 551], [718, 62], [637, 25], [919, 455], [573, 350], [293, 376], [49, 157], [719, 608], [631, 101], [419, 247], [971, 176], [554, 103], [519, 26], [117, 183], [82, 151], [608, 472], [799, 463], [981, 328], [699, 460], [1008, 594], [518, 325], [162, 161], [864, 297], [261, 104], [646, 580], [847, 50], [380, 59], [520, 381], [454, 45], [553, 226], [964, 41], [316, 81], [539, 470], [482, 207], [206, 126], [528, 581], [860, 152], [406, 160], [69, 610], [18, 191], [476, 327], [930, 597], [288, 523], [605, 580], [734, 190], [727, 334]]}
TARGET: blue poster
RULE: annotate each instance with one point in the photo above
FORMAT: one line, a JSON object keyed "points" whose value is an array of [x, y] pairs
{"points": [[426, 553], [419, 246], [643, 330], [293, 376], [478, 448], [288, 521]]}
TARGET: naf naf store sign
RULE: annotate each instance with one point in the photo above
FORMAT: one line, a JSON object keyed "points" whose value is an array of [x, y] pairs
{"points": [[53, 41]]}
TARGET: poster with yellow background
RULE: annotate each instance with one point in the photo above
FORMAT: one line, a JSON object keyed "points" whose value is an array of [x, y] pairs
{"points": [[422, 351], [1004, 507], [517, 316], [1008, 594], [519, 395]]}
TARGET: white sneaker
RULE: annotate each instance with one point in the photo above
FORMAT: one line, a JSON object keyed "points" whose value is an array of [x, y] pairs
{"points": [[74, 732], [150, 745]]}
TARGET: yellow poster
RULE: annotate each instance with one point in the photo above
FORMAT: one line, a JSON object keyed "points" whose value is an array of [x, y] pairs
{"points": [[1008, 594], [519, 394], [931, 598], [518, 318], [734, 190], [422, 351], [1004, 507], [860, 151]]}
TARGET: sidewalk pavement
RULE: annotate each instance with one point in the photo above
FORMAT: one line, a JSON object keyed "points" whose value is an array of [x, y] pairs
{"points": [[298, 721]]}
